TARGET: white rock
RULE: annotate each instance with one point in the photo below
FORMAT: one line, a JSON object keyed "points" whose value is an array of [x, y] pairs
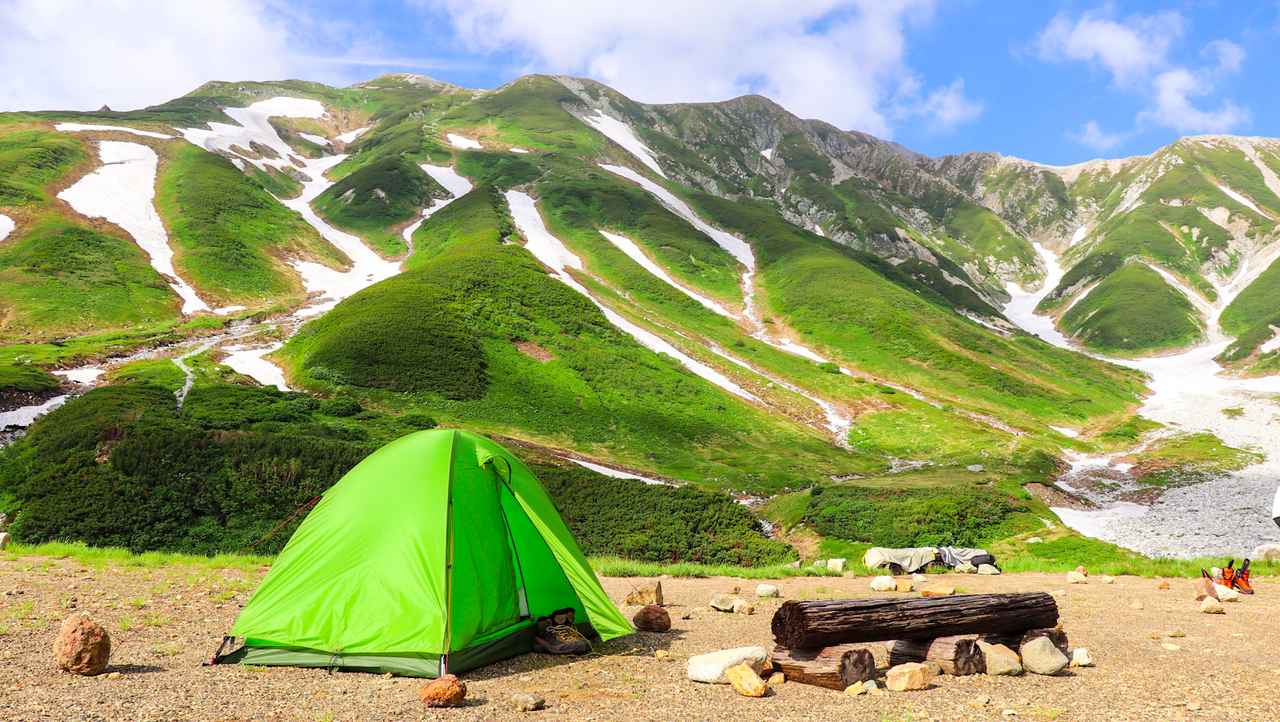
{"points": [[710, 667], [1267, 552], [919, 578], [1035, 540], [965, 568], [4, 539], [1212, 606], [1108, 580], [883, 584], [1080, 657], [768, 590], [1041, 656], [1076, 578], [988, 570], [836, 565], [1226, 594]]}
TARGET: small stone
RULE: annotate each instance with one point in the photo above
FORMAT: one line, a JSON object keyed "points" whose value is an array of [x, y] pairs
{"points": [[652, 618], [1009, 712], [447, 691], [1041, 656], [1170, 646], [742, 606], [777, 678], [766, 591], [1209, 605], [1108, 579], [980, 701], [1193, 706], [836, 565], [724, 602], [662, 654], [1175, 634], [965, 568], [938, 590], [1226, 594], [907, 677], [524, 702], [855, 689], [1080, 657], [904, 586], [82, 646], [710, 667], [113, 675], [919, 578], [1077, 578], [1163, 585], [1135, 604], [645, 594], [745, 681], [988, 570], [883, 584], [1000, 660], [870, 686]]}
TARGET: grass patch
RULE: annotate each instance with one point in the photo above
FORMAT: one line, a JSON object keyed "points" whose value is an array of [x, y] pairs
{"points": [[1189, 458], [1133, 310], [376, 198]]}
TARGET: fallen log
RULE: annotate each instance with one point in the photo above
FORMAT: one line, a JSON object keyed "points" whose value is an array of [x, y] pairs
{"points": [[807, 624], [1015, 641], [957, 655], [831, 667]]}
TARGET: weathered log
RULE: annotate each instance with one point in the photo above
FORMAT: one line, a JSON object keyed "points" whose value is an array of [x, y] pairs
{"points": [[1015, 641], [957, 655], [831, 667], [807, 624]]}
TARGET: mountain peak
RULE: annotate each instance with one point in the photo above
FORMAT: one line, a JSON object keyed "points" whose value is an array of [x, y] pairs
{"points": [[412, 79]]}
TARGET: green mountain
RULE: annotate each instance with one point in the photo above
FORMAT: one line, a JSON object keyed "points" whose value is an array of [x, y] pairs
{"points": [[721, 296]]}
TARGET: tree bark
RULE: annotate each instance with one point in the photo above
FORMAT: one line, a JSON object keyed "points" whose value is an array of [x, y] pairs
{"points": [[831, 667], [808, 624], [957, 655]]}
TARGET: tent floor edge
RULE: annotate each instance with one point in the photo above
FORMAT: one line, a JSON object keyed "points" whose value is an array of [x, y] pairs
{"points": [[400, 664]]}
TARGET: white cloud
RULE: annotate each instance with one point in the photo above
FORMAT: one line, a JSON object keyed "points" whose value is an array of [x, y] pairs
{"points": [[81, 54], [1174, 108], [1228, 56], [1093, 136], [947, 107], [843, 61], [1129, 50]]}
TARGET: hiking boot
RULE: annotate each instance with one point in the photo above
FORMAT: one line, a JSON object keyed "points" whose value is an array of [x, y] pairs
{"points": [[1229, 575], [555, 634], [1241, 581]]}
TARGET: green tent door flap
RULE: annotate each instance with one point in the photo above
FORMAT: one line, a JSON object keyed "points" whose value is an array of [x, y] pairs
{"points": [[436, 553]]}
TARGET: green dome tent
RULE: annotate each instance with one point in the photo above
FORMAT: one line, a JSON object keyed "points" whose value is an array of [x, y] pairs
{"points": [[436, 553]]}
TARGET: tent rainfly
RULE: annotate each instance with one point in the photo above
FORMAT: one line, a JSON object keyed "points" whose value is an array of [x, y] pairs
{"points": [[435, 554]]}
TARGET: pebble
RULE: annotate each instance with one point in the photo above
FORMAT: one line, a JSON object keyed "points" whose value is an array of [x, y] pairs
{"points": [[1135, 604], [1080, 657], [1212, 606], [524, 702], [1171, 646]]}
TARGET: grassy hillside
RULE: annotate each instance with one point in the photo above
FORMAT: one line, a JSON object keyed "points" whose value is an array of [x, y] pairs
{"points": [[231, 239], [1133, 309], [374, 200]]}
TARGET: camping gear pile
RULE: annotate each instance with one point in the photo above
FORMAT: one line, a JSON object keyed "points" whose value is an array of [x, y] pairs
{"points": [[438, 553], [838, 644], [914, 559]]}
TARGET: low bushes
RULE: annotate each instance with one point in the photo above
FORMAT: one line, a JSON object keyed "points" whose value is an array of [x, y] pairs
{"points": [[941, 516]]}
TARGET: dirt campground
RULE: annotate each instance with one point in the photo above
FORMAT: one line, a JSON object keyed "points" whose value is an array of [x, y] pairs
{"points": [[1158, 658]]}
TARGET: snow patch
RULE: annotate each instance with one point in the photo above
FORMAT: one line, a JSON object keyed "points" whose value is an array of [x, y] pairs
{"points": [[629, 247], [225, 310], [458, 141], [255, 127], [1069, 433], [250, 362], [317, 139], [6, 226], [551, 252], [88, 127], [122, 191], [621, 133], [24, 416], [767, 153], [1241, 199], [615, 473], [519, 150], [451, 181], [1272, 344], [351, 135], [1079, 235], [1021, 308]]}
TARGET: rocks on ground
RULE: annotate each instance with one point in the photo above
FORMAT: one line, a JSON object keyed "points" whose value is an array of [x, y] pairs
{"points": [[1080, 657], [938, 590], [1000, 660], [836, 565], [1077, 578], [1226, 594], [447, 691], [645, 594], [652, 618], [883, 584], [746, 681], [724, 602], [904, 585], [908, 676], [965, 568], [764, 591], [989, 570], [524, 702], [1041, 656], [710, 667], [82, 646], [1209, 605]]}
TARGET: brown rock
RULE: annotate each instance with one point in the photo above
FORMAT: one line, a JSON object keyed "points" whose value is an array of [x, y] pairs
{"points": [[82, 646], [745, 681], [1163, 585], [645, 594], [938, 590], [652, 618], [904, 585], [908, 676], [777, 678], [448, 691]]}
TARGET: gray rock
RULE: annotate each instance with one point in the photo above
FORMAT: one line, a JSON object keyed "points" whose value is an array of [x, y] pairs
{"points": [[710, 667], [523, 702], [1000, 660], [767, 590], [988, 570], [724, 602], [1041, 656], [965, 568]]}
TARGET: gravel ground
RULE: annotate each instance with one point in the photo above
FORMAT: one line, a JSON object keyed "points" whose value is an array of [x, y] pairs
{"points": [[165, 621]]}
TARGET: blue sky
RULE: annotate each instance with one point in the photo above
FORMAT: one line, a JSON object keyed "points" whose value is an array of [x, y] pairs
{"points": [[1053, 82]]}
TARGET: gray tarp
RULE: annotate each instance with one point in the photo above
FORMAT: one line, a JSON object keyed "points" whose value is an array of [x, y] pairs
{"points": [[951, 556], [910, 560]]}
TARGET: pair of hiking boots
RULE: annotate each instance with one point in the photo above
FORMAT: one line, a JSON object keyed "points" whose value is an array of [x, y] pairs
{"points": [[555, 634], [1232, 578]]}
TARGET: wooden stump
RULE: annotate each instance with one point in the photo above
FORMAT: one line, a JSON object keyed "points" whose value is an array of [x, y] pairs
{"points": [[834, 667], [812, 624], [957, 655]]}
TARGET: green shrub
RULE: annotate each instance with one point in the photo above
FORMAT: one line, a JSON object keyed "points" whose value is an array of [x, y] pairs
{"points": [[949, 516]]}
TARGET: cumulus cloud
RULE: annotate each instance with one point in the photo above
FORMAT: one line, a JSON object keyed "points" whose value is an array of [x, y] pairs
{"points": [[843, 61], [1135, 52]]}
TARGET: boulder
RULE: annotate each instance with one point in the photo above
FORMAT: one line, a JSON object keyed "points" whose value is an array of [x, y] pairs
{"points": [[883, 584], [1226, 594], [645, 594], [907, 677], [1077, 578], [989, 570], [82, 646], [1209, 605], [4, 539], [745, 681], [764, 591], [652, 618], [1041, 656], [904, 586], [1000, 660], [1080, 657], [447, 691], [724, 602], [742, 606], [836, 565], [524, 702], [965, 568], [938, 590], [710, 667], [1267, 553]]}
